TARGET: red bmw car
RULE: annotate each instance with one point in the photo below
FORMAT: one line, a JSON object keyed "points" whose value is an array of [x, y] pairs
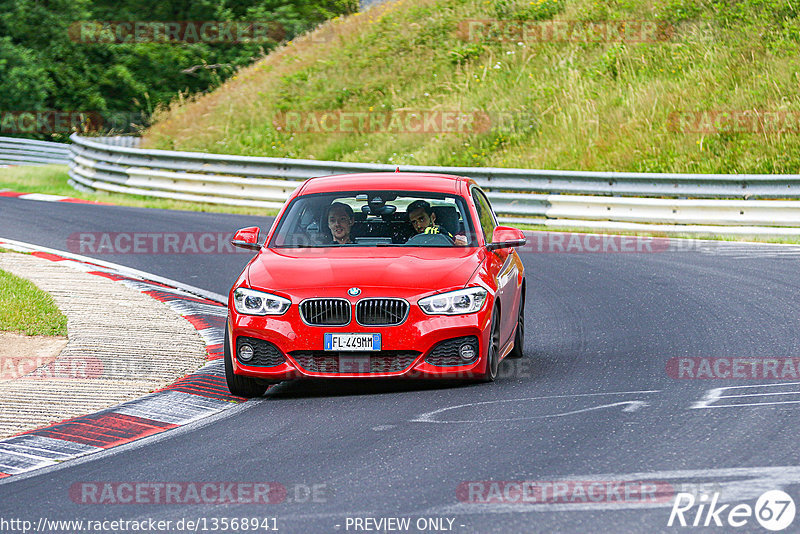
{"points": [[374, 276]]}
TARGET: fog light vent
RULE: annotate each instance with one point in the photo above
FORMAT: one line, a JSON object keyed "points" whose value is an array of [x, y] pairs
{"points": [[256, 352], [246, 352], [467, 352], [456, 351]]}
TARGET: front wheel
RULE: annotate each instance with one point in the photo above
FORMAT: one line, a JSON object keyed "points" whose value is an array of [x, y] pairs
{"points": [[493, 351], [241, 386]]}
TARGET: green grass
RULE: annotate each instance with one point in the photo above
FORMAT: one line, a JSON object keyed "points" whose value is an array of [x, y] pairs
{"points": [[26, 309], [52, 179], [603, 106]]}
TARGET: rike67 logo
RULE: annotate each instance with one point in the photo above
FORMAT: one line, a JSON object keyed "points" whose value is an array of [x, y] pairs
{"points": [[774, 510]]}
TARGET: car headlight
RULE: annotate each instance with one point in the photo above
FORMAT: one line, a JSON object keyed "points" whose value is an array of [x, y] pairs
{"points": [[252, 302], [467, 300]]}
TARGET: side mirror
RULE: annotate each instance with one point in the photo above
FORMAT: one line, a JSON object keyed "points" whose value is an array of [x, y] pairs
{"points": [[506, 237], [247, 238]]}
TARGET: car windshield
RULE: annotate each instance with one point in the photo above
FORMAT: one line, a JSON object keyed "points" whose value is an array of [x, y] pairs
{"points": [[374, 219]]}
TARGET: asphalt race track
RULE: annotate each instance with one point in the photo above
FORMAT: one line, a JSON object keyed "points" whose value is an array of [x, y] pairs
{"points": [[591, 402]]}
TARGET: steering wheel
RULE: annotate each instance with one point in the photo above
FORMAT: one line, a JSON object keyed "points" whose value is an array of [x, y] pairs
{"points": [[429, 239]]}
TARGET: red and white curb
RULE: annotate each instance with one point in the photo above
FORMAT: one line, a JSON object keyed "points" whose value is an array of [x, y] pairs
{"points": [[193, 397], [45, 197]]}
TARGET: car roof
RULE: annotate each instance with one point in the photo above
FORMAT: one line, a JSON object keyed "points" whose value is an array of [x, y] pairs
{"points": [[401, 181]]}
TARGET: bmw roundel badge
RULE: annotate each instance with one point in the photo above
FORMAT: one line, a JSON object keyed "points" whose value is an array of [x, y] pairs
{"points": [[354, 292]]}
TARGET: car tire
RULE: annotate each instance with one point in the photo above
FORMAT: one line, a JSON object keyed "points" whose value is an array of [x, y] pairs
{"points": [[241, 386], [493, 350], [519, 338]]}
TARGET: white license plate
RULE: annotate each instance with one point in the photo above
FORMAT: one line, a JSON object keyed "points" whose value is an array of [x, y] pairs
{"points": [[353, 342]]}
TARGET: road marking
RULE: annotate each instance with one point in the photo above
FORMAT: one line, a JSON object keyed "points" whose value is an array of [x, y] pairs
{"points": [[715, 394], [749, 250], [43, 196], [429, 417]]}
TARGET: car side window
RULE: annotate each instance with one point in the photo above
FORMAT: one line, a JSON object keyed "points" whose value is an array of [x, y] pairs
{"points": [[485, 214]]}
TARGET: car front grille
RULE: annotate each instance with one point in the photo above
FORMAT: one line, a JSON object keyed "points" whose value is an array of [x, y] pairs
{"points": [[381, 312], [265, 354], [386, 361], [447, 354], [325, 312]]}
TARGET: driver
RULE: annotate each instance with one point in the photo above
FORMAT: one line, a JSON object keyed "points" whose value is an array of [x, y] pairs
{"points": [[340, 221], [423, 220]]}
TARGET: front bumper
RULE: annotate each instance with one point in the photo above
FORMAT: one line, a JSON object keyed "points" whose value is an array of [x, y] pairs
{"points": [[404, 348]]}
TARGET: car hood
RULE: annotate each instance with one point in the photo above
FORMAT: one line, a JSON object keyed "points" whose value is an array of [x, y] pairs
{"points": [[315, 269]]}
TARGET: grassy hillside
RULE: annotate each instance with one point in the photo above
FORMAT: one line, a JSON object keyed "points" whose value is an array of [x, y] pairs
{"points": [[596, 104]]}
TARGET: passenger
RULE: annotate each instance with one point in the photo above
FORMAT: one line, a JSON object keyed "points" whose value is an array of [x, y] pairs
{"points": [[423, 220], [340, 221]]}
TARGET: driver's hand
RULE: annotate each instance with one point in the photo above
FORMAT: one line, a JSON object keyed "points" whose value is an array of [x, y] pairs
{"points": [[461, 240]]}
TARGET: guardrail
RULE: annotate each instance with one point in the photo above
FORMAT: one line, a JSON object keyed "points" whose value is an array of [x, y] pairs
{"points": [[20, 151], [722, 203]]}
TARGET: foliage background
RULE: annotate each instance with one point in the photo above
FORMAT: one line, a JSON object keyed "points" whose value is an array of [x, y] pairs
{"points": [[41, 68]]}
